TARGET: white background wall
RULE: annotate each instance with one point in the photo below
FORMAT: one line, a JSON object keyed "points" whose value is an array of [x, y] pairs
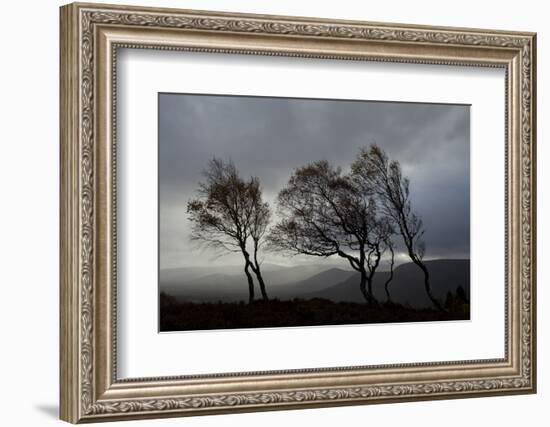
{"points": [[29, 170]]}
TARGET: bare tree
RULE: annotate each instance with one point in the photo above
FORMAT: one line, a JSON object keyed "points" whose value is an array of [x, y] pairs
{"points": [[374, 171], [227, 212], [322, 214]]}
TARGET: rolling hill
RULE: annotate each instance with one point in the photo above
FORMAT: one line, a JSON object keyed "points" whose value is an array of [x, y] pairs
{"points": [[407, 286], [312, 281]]}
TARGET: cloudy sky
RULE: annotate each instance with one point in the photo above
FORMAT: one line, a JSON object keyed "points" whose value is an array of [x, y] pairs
{"points": [[270, 137]]}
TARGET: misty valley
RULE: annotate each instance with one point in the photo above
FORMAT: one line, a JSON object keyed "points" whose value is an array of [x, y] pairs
{"points": [[198, 298]]}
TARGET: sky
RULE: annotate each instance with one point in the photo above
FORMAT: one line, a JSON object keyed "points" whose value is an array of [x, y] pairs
{"points": [[269, 137]]}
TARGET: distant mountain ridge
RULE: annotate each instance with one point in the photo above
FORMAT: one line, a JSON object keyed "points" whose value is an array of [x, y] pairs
{"points": [[407, 286], [313, 281]]}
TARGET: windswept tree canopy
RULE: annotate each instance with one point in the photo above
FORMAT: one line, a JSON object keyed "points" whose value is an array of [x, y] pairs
{"points": [[372, 171], [323, 214], [228, 209], [260, 212]]}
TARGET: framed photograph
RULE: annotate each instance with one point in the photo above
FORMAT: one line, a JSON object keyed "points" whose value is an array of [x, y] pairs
{"points": [[266, 212]]}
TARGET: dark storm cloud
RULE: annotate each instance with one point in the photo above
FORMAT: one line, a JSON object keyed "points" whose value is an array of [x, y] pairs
{"points": [[269, 137]]}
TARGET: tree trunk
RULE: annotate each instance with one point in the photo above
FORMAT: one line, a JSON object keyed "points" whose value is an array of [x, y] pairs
{"points": [[387, 284], [250, 283], [427, 286], [247, 265], [261, 283], [369, 286], [257, 271], [386, 288], [366, 281]]}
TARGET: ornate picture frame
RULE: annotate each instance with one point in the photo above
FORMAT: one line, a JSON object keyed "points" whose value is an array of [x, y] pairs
{"points": [[90, 37]]}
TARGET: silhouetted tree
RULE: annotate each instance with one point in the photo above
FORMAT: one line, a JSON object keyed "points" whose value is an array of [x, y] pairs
{"points": [[227, 212], [322, 214], [373, 170], [461, 295]]}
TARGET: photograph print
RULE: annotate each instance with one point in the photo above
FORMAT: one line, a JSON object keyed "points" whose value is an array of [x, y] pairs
{"points": [[294, 212]]}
